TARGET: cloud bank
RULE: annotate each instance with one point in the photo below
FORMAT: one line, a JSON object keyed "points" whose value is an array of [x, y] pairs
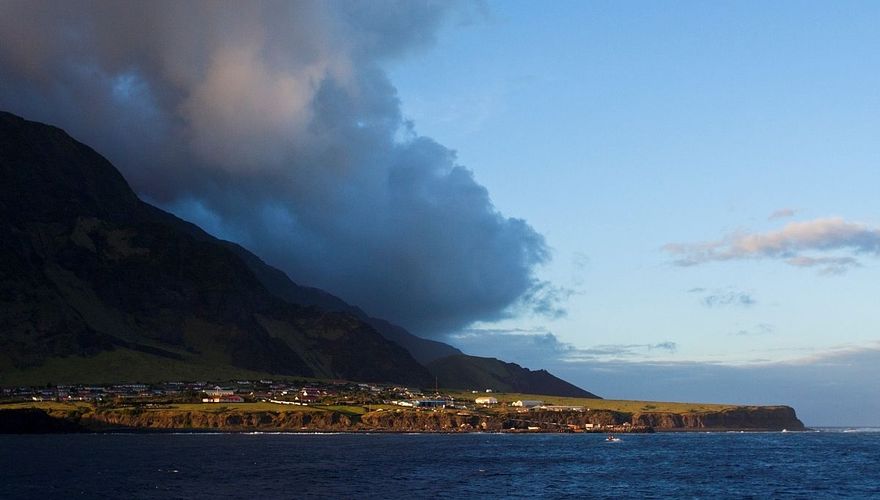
{"points": [[807, 384], [788, 244], [273, 124], [540, 348], [638, 371]]}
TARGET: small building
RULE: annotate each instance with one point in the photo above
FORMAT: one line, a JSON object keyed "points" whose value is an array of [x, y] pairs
{"points": [[430, 403], [217, 392], [226, 398], [488, 400], [563, 408], [309, 395], [527, 403]]}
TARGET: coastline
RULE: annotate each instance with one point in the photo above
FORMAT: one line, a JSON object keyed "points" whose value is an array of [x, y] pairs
{"points": [[83, 418]]}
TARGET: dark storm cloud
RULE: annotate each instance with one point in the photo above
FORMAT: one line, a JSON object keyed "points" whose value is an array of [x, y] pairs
{"points": [[274, 124]]}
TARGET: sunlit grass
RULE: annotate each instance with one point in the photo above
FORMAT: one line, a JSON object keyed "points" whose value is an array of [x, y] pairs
{"points": [[625, 406], [47, 405]]}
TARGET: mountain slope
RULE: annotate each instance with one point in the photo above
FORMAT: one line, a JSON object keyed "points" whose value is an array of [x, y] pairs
{"points": [[88, 269], [476, 373], [423, 350], [96, 285], [278, 283]]}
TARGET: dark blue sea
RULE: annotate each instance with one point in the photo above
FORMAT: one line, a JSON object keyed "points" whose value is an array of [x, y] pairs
{"points": [[687, 465]]}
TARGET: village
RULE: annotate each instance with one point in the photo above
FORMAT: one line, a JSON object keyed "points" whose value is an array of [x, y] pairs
{"points": [[237, 391], [535, 415], [331, 393]]}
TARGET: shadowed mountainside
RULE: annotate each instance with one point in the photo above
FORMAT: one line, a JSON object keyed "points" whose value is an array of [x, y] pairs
{"points": [[96, 285], [87, 268], [276, 281], [472, 372]]}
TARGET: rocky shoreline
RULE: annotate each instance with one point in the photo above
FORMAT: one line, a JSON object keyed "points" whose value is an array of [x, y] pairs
{"points": [[86, 419]]}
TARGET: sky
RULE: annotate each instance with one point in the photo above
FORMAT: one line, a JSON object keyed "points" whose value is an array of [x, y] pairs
{"points": [[706, 176], [669, 201]]}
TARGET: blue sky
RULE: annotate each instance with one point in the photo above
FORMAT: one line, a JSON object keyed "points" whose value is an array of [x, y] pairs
{"points": [[655, 200], [619, 129]]}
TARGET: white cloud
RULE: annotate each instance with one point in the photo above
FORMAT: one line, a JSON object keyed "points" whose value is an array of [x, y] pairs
{"points": [[831, 234], [829, 265]]}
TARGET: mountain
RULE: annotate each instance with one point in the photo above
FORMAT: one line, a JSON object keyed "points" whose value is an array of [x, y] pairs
{"points": [[423, 350], [278, 283], [451, 367], [96, 284], [476, 373]]}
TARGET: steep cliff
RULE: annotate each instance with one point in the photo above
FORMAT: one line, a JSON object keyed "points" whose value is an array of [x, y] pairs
{"points": [[240, 419], [740, 418]]}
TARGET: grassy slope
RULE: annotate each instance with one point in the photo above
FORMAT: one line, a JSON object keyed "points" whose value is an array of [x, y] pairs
{"points": [[601, 404], [124, 365], [58, 408], [593, 404], [474, 372]]}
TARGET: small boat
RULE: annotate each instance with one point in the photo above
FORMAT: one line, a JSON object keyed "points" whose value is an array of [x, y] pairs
{"points": [[612, 439]]}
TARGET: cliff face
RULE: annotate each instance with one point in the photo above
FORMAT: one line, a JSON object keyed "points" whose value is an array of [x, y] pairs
{"points": [[240, 419], [410, 421], [744, 418], [266, 421], [34, 421]]}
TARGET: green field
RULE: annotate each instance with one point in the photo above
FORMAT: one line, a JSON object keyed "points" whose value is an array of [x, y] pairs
{"points": [[625, 406], [48, 406], [54, 406]]}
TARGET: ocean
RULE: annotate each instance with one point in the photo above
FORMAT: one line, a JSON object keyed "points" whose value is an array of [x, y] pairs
{"points": [[829, 463]]}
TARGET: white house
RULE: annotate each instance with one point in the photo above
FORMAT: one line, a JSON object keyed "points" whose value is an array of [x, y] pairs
{"points": [[218, 392], [224, 399], [486, 401], [527, 403]]}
